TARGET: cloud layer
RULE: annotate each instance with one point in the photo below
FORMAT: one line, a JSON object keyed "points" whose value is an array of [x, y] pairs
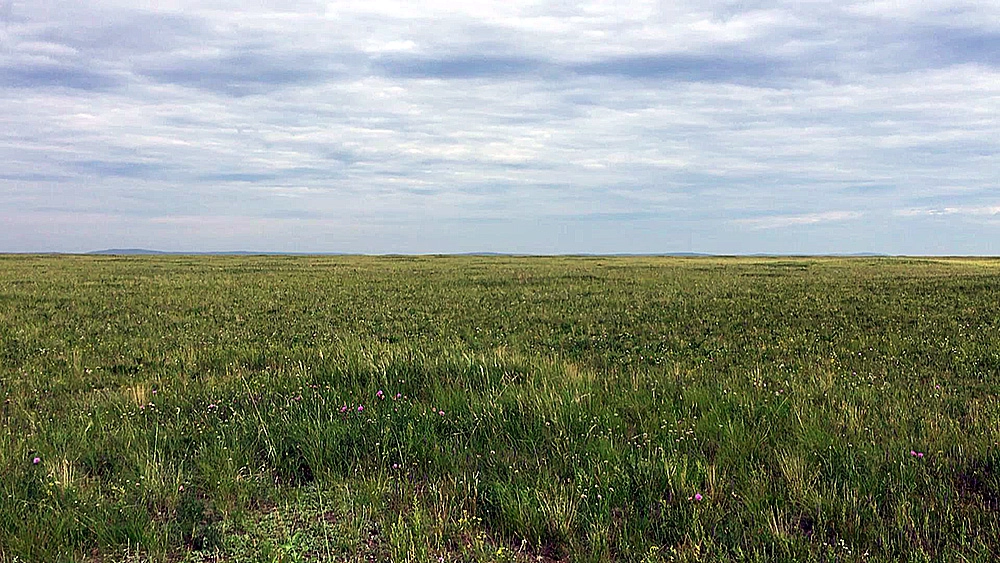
{"points": [[540, 127]]}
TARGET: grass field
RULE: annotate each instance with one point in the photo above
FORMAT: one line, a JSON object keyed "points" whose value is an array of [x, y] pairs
{"points": [[450, 409]]}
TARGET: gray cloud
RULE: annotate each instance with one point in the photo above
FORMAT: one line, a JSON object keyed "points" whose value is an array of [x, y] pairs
{"points": [[482, 66], [945, 46], [685, 67], [110, 32], [245, 72], [121, 169], [668, 66], [56, 76]]}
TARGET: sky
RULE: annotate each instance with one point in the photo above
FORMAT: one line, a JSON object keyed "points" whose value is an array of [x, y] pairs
{"points": [[537, 127]]}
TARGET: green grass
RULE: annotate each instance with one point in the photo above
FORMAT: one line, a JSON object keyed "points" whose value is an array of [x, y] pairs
{"points": [[206, 409]]}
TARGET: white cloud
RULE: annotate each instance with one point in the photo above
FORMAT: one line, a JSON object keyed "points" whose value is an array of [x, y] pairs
{"points": [[781, 221], [987, 210]]}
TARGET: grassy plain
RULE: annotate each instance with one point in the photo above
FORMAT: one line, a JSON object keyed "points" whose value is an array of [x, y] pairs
{"points": [[498, 409]]}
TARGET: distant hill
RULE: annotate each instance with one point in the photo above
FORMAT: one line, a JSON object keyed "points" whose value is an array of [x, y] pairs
{"points": [[588, 254], [831, 255], [136, 251], [142, 251], [127, 251]]}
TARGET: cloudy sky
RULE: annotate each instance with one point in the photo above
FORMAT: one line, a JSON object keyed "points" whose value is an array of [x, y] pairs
{"points": [[561, 126]]}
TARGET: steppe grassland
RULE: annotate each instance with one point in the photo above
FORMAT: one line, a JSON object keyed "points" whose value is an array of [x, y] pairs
{"points": [[499, 409]]}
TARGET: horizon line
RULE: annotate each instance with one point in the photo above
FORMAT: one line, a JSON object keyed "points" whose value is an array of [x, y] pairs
{"points": [[675, 254]]}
